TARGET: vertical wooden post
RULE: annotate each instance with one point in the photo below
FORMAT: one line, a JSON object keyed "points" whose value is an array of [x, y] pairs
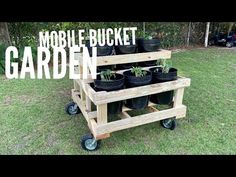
{"points": [[88, 104], [76, 86], [102, 114], [178, 99], [82, 94]]}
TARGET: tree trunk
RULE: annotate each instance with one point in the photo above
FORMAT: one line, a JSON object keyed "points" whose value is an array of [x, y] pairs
{"points": [[231, 24], [207, 34], [188, 35], [144, 29], [4, 34]]}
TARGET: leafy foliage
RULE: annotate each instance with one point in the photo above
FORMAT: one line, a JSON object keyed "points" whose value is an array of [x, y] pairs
{"points": [[2, 58], [171, 34], [165, 65], [106, 75], [138, 71]]}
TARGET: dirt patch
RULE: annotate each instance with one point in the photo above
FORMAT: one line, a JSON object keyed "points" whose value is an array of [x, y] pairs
{"points": [[51, 140], [8, 100], [64, 93], [24, 98], [19, 147], [178, 50], [233, 66], [110, 144]]}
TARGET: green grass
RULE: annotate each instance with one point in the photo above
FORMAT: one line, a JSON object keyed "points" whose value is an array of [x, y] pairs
{"points": [[33, 120]]}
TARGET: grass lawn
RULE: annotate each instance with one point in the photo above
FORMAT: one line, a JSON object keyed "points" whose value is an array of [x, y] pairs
{"points": [[33, 120]]}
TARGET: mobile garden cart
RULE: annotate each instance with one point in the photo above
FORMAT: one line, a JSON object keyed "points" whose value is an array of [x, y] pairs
{"points": [[84, 95]]}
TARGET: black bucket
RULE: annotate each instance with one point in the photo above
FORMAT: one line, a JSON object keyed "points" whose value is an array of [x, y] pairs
{"points": [[125, 49], [164, 98], [132, 81], [116, 83], [148, 45], [101, 51], [158, 77]]}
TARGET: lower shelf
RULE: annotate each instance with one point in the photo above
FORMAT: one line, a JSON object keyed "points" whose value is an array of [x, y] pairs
{"points": [[103, 130], [178, 112]]}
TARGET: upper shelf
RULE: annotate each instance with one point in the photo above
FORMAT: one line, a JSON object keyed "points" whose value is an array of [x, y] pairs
{"points": [[132, 58], [102, 97]]}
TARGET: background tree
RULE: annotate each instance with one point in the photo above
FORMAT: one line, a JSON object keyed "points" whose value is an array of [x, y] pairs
{"points": [[207, 33], [4, 34]]}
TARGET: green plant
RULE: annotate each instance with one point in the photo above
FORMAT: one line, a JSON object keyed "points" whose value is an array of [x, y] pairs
{"points": [[138, 71], [2, 58], [165, 65], [107, 75], [147, 36]]}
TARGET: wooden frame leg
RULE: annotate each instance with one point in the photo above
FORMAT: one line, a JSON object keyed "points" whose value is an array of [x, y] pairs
{"points": [[82, 94], [102, 119], [102, 114], [178, 99], [88, 104], [76, 86]]}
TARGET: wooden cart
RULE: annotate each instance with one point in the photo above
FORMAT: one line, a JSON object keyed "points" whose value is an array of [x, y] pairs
{"points": [[84, 95]]}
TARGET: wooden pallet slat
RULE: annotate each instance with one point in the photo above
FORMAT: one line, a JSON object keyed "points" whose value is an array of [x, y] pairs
{"points": [[141, 120], [108, 97], [132, 58]]}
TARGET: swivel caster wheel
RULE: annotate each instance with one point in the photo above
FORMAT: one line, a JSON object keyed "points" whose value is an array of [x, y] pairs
{"points": [[168, 123], [72, 108], [89, 143]]}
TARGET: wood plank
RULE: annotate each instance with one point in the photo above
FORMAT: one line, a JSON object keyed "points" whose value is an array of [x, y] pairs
{"points": [[124, 115], [82, 94], [87, 114], [178, 98], [102, 114], [76, 85], [80, 103], [125, 109], [152, 109], [144, 68], [102, 136], [140, 120], [92, 114], [151, 104], [92, 124], [108, 97], [88, 104], [89, 91], [132, 58]]}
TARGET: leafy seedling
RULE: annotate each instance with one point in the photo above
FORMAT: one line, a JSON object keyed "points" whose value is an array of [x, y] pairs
{"points": [[107, 75], [138, 72]]}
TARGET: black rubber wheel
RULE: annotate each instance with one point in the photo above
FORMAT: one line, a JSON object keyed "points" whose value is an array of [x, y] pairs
{"points": [[88, 143], [168, 123], [72, 108], [229, 44]]}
